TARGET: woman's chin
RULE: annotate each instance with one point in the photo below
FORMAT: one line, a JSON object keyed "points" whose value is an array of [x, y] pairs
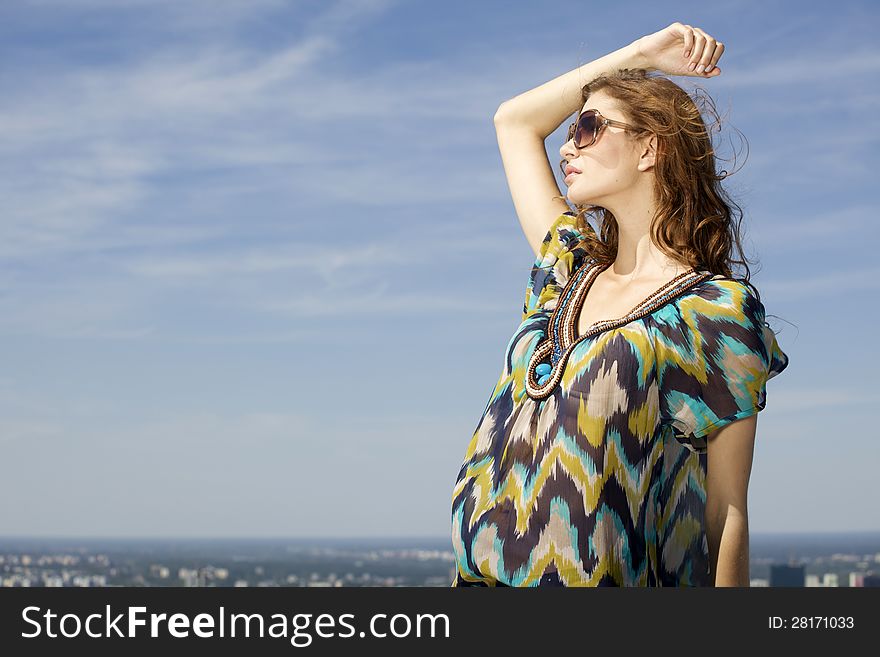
{"points": [[579, 198], [581, 203], [576, 198]]}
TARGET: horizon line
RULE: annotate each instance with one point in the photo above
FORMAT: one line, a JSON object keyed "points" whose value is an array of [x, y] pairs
{"points": [[384, 537]]}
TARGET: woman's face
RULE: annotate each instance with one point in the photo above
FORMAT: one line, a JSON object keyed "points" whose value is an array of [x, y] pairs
{"points": [[608, 167]]}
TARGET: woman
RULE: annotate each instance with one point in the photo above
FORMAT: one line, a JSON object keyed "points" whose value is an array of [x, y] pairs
{"points": [[616, 447]]}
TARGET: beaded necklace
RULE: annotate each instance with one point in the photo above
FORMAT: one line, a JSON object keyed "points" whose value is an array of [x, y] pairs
{"points": [[548, 360]]}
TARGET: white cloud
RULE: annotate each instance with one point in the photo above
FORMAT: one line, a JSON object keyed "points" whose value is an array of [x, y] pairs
{"points": [[28, 429], [827, 282], [817, 227], [91, 149], [797, 400], [812, 67]]}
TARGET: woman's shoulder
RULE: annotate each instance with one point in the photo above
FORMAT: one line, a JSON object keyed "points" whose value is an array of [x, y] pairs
{"points": [[558, 257], [719, 286], [564, 231], [563, 236], [723, 298]]}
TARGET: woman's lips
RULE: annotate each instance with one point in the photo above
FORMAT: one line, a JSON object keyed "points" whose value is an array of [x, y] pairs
{"points": [[573, 173]]}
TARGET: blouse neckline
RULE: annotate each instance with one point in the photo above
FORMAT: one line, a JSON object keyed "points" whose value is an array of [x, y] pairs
{"points": [[562, 337]]}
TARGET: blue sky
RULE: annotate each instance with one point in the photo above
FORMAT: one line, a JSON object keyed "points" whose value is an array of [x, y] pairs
{"points": [[259, 261]]}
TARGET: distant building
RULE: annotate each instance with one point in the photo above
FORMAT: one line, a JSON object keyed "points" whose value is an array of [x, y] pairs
{"points": [[829, 579], [786, 575], [826, 580], [871, 580], [157, 570], [188, 576]]}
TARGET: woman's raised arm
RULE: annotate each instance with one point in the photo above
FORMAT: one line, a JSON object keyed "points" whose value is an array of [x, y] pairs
{"points": [[524, 122]]}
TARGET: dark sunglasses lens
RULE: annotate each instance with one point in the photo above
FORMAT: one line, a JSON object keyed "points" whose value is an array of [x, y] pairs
{"points": [[585, 131]]}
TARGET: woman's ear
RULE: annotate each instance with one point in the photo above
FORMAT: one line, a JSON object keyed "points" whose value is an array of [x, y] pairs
{"points": [[647, 152]]}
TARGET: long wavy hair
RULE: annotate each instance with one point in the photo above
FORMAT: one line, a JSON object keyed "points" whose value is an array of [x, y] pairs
{"points": [[696, 221]]}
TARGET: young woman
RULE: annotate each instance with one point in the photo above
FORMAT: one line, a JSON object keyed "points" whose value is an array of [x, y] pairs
{"points": [[616, 447]]}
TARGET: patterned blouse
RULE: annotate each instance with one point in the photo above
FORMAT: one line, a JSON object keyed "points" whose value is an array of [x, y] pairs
{"points": [[588, 465]]}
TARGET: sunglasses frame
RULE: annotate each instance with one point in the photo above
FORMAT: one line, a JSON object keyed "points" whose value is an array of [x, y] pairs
{"points": [[597, 130]]}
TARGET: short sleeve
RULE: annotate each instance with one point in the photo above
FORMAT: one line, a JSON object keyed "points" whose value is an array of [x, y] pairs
{"points": [[715, 353], [556, 260]]}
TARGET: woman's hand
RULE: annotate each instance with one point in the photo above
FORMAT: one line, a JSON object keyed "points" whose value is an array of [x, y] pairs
{"points": [[681, 50]]}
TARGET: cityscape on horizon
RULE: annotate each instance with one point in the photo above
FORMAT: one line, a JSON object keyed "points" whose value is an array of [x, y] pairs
{"points": [[810, 560]]}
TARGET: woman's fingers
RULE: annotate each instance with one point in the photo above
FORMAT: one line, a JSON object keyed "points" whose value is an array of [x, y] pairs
{"points": [[708, 52], [704, 53], [699, 56], [719, 50], [697, 51], [688, 40]]}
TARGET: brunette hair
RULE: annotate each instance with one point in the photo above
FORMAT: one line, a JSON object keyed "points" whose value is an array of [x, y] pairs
{"points": [[696, 221]]}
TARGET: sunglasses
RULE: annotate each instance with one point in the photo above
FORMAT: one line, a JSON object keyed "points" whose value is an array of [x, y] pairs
{"points": [[588, 126], [585, 130]]}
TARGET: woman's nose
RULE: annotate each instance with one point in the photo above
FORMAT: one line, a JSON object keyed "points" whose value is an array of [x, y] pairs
{"points": [[567, 150]]}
